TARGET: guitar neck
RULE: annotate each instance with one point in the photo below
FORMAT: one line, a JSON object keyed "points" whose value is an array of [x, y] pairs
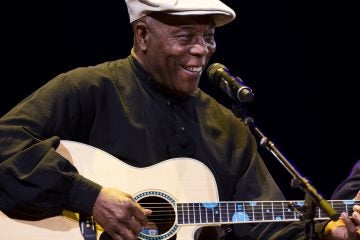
{"points": [[251, 211]]}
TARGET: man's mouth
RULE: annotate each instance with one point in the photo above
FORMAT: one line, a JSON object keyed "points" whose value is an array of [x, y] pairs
{"points": [[194, 69]]}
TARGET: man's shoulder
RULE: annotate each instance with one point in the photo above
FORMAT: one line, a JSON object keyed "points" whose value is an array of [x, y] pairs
{"points": [[104, 68], [97, 73]]}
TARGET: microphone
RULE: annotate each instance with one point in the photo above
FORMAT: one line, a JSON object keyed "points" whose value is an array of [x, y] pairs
{"points": [[234, 87]]}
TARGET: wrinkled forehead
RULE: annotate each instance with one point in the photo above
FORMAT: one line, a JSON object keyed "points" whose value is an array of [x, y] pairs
{"points": [[178, 20]]}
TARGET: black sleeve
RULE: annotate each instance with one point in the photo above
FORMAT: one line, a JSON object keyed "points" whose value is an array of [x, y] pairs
{"points": [[35, 181], [350, 186]]}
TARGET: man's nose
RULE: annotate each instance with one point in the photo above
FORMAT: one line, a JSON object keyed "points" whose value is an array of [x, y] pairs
{"points": [[200, 47]]}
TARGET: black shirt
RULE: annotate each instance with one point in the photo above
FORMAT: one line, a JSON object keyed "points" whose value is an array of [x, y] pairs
{"points": [[116, 106]]}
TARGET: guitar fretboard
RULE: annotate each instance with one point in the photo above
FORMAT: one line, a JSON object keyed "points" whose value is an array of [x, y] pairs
{"points": [[251, 211]]}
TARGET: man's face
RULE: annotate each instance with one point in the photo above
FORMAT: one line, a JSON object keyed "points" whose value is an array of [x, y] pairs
{"points": [[178, 50]]}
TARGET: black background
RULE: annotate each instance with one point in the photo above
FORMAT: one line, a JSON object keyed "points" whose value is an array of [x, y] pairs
{"points": [[299, 58]]}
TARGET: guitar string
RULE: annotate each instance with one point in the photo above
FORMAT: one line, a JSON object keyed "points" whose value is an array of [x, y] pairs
{"points": [[191, 213]]}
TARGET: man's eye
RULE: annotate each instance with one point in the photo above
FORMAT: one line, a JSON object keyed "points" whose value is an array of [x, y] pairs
{"points": [[209, 38], [185, 37]]}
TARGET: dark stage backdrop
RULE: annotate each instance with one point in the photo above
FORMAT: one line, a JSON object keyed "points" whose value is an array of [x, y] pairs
{"points": [[299, 58]]}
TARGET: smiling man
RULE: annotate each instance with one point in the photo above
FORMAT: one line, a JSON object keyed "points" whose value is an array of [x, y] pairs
{"points": [[143, 109]]}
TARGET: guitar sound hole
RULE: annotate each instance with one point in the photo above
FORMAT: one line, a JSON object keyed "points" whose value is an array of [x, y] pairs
{"points": [[162, 217]]}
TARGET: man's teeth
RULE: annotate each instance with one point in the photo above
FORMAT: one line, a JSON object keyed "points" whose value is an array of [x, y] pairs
{"points": [[193, 69]]}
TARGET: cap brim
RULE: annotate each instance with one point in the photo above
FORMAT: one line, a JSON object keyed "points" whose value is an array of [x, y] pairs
{"points": [[220, 17]]}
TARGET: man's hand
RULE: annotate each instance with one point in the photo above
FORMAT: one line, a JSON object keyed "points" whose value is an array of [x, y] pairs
{"points": [[118, 214], [345, 228]]}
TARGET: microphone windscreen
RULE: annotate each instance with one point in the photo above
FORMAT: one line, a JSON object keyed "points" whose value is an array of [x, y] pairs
{"points": [[212, 71]]}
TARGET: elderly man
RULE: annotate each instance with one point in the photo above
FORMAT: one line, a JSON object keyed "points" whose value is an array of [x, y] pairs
{"points": [[143, 109]]}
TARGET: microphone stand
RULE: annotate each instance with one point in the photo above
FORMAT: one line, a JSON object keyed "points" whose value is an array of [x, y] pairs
{"points": [[312, 197]]}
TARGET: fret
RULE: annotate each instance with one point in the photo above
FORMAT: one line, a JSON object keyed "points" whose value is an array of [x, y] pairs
{"points": [[319, 212], [217, 213], [239, 214], [180, 213], [267, 211], [188, 213], [332, 205], [193, 213], [289, 213], [185, 207], [220, 210], [206, 212], [349, 205], [253, 204], [346, 208], [342, 207], [299, 204], [258, 211], [213, 214], [224, 214], [249, 209], [197, 213], [232, 211], [322, 213], [185, 213], [278, 211], [227, 210], [284, 206], [209, 210], [203, 213], [200, 213]]}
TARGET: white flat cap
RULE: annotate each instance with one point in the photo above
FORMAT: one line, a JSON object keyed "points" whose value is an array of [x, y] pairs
{"points": [[222, 13]]}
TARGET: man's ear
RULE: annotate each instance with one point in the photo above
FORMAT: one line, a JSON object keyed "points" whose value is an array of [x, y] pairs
{"points": [[141, 32]]}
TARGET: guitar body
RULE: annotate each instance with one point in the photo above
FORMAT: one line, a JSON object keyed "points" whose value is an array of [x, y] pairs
{"points": [[171, 181]]}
